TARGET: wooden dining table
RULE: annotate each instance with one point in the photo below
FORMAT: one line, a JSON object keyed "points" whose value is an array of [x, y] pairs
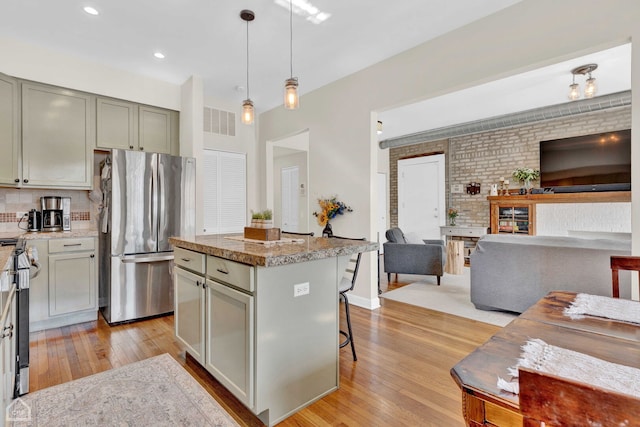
{"points": [[484, 404]]}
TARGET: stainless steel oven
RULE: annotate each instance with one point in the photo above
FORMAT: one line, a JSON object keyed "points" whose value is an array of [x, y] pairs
{"points": [[25, 267]]}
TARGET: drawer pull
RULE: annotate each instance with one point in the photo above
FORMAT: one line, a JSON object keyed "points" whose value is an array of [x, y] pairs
{"points": [[185, 259], [66, 245], [219, 270]]}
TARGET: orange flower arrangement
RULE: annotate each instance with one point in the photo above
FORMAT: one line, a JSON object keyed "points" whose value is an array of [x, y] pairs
{"points": [[329, 208]]}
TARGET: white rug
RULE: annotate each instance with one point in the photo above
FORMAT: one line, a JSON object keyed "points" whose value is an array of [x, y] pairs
{"points": [[152, 392], [452, 297]]}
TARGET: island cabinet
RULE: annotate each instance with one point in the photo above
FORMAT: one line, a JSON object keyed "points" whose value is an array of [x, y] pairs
{"points": [[65, 290], [266, 339]]}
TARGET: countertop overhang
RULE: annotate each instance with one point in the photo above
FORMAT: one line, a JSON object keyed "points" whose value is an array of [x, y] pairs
{"points": [[257, 254]]}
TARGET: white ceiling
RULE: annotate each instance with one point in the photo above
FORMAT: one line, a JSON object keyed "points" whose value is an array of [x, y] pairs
{"points": [[537, 88], [207, 37]]}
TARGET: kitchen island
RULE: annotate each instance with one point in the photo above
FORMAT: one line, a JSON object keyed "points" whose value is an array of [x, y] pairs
{"points": [[263, 319]]}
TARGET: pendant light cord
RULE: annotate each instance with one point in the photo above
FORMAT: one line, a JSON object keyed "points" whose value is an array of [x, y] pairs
{"points": [[291, 35], [248, 97]]}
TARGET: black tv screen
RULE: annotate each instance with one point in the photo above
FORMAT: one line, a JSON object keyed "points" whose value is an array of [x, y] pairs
{"points": [[598, 162]]}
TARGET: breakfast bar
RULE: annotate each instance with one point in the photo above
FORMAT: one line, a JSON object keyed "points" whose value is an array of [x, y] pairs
{"points": [[263, 318]]}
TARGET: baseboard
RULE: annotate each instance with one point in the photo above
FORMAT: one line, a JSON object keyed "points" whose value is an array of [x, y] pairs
{"points": [[370, 304]]}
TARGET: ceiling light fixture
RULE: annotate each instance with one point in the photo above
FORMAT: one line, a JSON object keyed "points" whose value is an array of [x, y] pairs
{"points": [[247, 104], [291, 100], [91, 10], [590, 84], [159, 55]]}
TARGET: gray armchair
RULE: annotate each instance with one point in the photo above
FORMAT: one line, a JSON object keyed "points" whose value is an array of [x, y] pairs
{"points": [[413, 258]]}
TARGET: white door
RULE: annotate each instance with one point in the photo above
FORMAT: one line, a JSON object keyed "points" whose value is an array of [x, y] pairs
{"points": [[421, 201], [382, 208], [289, 193]]}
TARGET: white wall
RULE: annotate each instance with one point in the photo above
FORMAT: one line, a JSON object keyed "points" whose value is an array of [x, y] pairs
{"points": [[244, 142], [35, 63], [343, 144]]}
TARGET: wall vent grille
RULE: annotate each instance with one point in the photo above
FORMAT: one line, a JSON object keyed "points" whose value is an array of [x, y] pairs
{"points": [[219, 122]]}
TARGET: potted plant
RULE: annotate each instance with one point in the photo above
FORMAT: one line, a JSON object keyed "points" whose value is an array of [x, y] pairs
{"points": [[526, 175], [262, 219]]}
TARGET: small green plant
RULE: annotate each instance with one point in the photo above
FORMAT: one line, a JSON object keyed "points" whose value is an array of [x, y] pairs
{"points": [[265, 214]]}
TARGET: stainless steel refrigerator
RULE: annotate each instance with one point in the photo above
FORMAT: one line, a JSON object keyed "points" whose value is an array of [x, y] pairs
{"points": [[147, 198]]}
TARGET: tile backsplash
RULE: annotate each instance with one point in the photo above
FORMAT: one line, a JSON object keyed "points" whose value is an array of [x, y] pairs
{"points": [[14, 203]]}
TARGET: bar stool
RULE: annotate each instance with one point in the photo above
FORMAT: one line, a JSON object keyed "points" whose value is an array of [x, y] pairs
{"points": [[346, 284]]}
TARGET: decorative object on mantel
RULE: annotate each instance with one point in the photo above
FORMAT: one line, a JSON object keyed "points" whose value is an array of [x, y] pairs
{"points": [[473, 188], [494, 190], [329, 208], [504, 187], [526, 175], [452, 214]]}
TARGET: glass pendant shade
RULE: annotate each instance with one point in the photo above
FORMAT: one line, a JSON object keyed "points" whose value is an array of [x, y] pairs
{"points": [[574, 91], [590, 87], [291, 101], [247, 112]]}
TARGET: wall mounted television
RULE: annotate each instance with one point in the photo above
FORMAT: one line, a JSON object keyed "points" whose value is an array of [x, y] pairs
{"points": [[597, 162]]}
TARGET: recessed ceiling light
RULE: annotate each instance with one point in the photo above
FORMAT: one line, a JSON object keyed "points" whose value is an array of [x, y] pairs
{"points": [[91, 11], [159, 55]]}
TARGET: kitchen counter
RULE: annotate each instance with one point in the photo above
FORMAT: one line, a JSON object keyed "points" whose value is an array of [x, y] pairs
{"points": [[28, 235], [257, 254]]}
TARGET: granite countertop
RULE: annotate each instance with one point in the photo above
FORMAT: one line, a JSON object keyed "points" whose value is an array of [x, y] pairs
{"points": [[28, 235], [310, 248]]}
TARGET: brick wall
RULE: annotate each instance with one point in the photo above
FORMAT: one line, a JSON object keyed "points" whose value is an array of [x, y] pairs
{"points": [[485, 157]]}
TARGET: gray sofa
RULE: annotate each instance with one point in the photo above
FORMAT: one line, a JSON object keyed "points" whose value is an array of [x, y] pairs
{"points": [[400, 256], [511, 273]]}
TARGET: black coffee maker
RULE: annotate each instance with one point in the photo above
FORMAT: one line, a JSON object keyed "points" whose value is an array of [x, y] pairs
{"points": [[34, 220]]}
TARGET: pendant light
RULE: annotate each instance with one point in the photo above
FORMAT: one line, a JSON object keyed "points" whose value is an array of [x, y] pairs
{"points": [[247, 104], [291, 100]]}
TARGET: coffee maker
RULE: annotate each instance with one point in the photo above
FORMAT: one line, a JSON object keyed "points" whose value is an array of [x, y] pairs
{"points": [[56, 213]]}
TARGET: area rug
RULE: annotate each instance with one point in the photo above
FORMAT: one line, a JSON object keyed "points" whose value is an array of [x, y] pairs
{"points": [[152, 392], [452, 297]]}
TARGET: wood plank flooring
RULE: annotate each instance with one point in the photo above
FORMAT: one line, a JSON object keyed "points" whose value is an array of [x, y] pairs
{"points": [[401, 377]]}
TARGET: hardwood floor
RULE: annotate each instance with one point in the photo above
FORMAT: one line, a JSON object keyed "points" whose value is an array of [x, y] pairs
{"points": [[401, 377]]}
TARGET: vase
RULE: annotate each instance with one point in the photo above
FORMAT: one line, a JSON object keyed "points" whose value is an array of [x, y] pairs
{"points": [[327, 231], [452, 221], [527, 186]]}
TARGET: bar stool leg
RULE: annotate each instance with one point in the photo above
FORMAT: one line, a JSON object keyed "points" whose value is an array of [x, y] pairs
{"points": [[349, 335]]}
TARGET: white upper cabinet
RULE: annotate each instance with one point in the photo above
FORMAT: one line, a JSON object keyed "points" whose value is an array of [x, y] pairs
{"points": [[129, 126], [10, 168], [57, 137]]}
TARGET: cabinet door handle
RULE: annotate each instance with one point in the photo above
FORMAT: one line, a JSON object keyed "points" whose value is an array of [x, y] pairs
{"points": [[222, 271], [92, 256], [141, 148], [26, 180], [66, 245], [204, 285], [16, 180], [186, 259], [197, 284], [131, 147]]}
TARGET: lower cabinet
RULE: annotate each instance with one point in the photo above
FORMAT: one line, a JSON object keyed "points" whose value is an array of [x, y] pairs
{"points": [[66, 289], [189, 311], [229, 346]]}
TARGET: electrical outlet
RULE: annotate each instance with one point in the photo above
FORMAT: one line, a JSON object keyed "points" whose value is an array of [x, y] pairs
{"points": [[300, 289]]}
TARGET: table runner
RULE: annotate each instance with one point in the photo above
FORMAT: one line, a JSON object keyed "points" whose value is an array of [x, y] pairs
{"points": [[283, 240], [546, 358], [606, 307]]}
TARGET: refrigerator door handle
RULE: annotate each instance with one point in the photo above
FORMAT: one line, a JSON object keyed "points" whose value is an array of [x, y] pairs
{"points": [[139, 259]]}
